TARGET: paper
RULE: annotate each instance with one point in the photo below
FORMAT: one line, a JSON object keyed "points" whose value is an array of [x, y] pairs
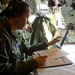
{"points": [[55, 57], [52, 53], [57, 62]]}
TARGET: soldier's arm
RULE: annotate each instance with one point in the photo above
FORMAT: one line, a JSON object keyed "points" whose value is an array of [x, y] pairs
{"points": [[17, 67], [36, 47]]}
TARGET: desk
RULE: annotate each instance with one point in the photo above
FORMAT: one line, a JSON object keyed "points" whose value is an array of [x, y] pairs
{"points": [[62, 70]]}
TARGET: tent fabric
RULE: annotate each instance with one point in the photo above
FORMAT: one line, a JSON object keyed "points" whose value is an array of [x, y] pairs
{"points": [[33, 6]]}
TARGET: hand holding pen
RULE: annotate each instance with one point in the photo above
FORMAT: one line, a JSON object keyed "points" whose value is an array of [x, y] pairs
{"points": [[41, 60]]}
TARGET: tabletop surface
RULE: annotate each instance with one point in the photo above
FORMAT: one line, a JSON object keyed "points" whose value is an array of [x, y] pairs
{"points": [[63, 70]]}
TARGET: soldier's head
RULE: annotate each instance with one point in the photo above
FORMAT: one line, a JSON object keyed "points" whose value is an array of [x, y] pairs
{"points": [[18, 11], [5, 2], [16, 8]]}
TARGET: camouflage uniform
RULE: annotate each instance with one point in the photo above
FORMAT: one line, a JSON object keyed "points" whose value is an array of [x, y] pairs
{"points": [[11, 53]]}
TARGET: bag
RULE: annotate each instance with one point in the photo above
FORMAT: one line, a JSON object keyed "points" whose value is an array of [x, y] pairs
{"points": [[38, 33]]}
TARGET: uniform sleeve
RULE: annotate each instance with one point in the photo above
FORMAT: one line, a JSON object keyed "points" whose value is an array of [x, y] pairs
{"points": [[22, 68], [36, 47], [14, 68]]}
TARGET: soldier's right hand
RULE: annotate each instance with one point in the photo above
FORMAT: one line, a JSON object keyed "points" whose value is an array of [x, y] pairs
{"points": [[41, 60]]}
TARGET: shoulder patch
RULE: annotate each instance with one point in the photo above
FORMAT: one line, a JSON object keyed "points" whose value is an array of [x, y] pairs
{"points": [[2, 41]]}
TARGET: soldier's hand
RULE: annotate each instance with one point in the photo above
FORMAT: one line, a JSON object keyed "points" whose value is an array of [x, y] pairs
{"points": [[41, 60], [53, 41]]}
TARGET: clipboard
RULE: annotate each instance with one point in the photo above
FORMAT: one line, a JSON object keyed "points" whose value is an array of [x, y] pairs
{"points": [[55, 57], [62, 61]]}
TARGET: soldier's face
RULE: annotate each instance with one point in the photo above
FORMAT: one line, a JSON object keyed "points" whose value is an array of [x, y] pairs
{"points": [[27, 13], [22, 20]]}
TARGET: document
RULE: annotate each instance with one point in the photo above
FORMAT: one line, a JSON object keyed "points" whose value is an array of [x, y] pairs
{"points": [[55, 57], [51, 53]]}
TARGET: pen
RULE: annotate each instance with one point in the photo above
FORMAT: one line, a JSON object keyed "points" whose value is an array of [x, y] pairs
{"points": [[39, 54], [45, 62]]}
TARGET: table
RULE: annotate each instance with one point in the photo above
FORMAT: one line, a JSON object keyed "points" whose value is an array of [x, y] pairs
{"points": [[63, 70], [70, 48]]}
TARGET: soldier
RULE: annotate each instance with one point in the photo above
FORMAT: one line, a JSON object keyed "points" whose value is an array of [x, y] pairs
{"points": [[11, 50]]}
